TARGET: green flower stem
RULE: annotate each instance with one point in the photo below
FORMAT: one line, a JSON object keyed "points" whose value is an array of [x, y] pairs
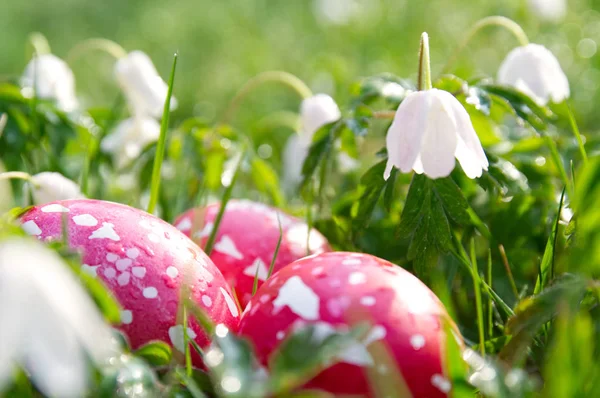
{"points": [[162, 139], [577, 134], [39, 43], [279, 119], [266, 77], [424, 79], [105, 45], [499, 21], [478, 301], [15, 175]]}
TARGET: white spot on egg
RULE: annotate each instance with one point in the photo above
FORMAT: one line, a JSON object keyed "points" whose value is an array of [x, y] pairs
{"points": [[184, 225], [153, 238], [123, 279], [138, 272], [280, 335], [259, 265], [85, 220], [417, 341], [31, 228], [299, 298], [126, 317], [55, 208], [123, 263], [317, 271], [378, 332], [351, 261], [207, 301], [357, 278], [150, 292], [106, 231], [90, 269], [176, 336], [368, 301], [205, 232], [264, 298], [227, 246], [230, 303], [111, 257], [172, 272], [441, 383], [133, 253], [145, 224], [110, 273]]}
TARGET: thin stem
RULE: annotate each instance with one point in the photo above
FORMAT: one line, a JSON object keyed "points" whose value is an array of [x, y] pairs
{"points": [[490, 302], [160, 147], [39, 43], [502, 22], [3, 122], [575, 129], [384, 114], [424, 78], [513, 285], [15, 175], [266, 77], [478, 301], [279, 119], [108, 46]]}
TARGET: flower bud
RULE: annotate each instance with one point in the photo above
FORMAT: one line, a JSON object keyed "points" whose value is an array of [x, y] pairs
{"points": [[315, 112], [129, 138], [49, 187], [53, 80]]}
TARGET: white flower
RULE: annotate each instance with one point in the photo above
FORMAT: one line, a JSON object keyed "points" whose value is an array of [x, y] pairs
{"points": [[129, 138], [549, 10], [145, 90], [49, 187], [294, 154], [535, 71], [48, 324], [315, 112], [429, 130], [53, 80]]}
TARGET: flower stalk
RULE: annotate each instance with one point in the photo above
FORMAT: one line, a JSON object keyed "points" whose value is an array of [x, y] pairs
{"points": [[498, 21], [424, 78], [108, 46]]}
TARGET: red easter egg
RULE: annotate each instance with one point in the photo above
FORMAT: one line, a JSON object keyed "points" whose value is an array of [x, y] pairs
{"points": [[337, 290], [247, 238], [144, 261]]}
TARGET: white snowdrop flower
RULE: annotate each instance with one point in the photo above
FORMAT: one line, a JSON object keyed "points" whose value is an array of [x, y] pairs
{"points": [[129, 138], [429, 130], [50, 186], [294, 154], [338, 12], [535, 71], [48, 323], [53, 80], [315, 112], [549, 10], [144, 89]]}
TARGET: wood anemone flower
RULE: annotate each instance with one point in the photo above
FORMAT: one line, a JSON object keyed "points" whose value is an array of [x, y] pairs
{"points": [[430, 129]]}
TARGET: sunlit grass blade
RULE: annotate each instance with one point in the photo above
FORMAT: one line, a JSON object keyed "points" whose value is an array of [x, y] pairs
{"points": [[547, 266], [273, 259], [186, 341], [509, 273], [576, 132], [559, 164], [478, 302], [162, 139], [224, 199], [190, 384], [490, 321]]}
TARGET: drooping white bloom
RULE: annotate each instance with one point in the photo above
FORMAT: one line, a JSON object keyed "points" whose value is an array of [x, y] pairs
{"points": [[429, 130], [48, 324], [145, 90], [49, 187], [129, 138], [549, 10], [535, 71], [53, 80], [315, 112]]}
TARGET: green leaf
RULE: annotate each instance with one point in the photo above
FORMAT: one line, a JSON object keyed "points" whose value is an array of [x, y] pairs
{"points": [[321, 147], [306, 353], [231, 359], [156, 353], [454, 202], [373, 184], [125, 375], [266, 180], [547, 264]]}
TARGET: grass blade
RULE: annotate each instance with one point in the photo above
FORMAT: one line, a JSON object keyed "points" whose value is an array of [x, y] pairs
{"points": [[547, 266], [276, 248], [576, 132], [160, 147], [490, 302], [478, 302]]}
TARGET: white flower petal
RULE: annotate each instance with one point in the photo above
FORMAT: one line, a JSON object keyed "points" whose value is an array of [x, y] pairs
{"points": [[535, 71], [49, 187], [145, 90], [388, 170], [317, 111], [439, 140], [405, 135], [549, 10], [53, 80], [129, 138], [294, 154]]}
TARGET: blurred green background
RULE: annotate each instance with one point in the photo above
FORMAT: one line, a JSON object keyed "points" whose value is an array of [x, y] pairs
{"points": [[327, 43]]}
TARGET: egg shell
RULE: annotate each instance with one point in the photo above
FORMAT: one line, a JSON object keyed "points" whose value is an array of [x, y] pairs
{"points": [[337, 290], [144, 261], [247, 238]]}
